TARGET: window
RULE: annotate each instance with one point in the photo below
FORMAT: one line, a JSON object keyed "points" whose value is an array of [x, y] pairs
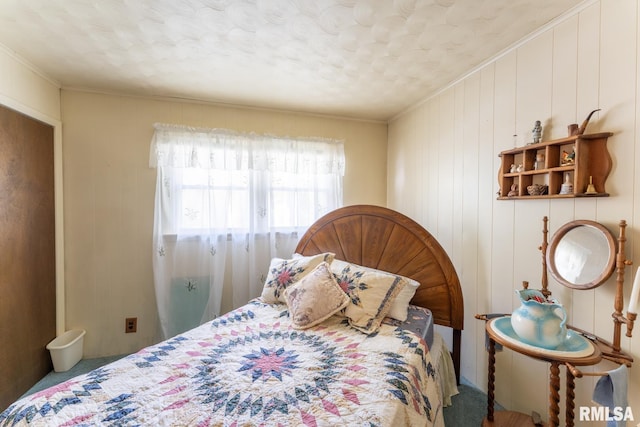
{"points": [[293, 200], [228, 199]]}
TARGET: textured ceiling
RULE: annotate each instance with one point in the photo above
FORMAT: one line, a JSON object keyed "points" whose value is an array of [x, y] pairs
{"points": [[354, 58]]}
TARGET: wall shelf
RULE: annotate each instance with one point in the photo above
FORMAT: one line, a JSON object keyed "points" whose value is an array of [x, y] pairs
{"points": [[591, 164]]}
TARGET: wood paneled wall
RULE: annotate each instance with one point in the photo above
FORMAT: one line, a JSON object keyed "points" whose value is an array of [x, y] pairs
{"points": [[443, 168]]}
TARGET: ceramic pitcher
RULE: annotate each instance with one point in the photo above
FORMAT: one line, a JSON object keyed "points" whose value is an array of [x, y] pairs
{"points": [[537, 321]]}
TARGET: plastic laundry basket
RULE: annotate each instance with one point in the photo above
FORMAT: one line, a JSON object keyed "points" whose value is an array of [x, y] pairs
{"points": [[66, 350]]}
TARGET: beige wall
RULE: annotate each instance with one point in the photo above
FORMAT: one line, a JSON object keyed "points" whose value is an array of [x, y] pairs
{"points": [[443, 167], [109, 196], [24, 89]]}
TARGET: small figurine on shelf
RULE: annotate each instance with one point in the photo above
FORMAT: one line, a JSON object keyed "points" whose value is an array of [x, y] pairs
{"points": [[568, 157], [537, 132], [539, 164], [567, 186], [520, 168], [513, 168], [513, 191]]}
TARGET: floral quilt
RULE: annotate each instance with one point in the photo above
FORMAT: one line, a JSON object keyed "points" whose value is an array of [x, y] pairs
{"points": [[251, 367]]}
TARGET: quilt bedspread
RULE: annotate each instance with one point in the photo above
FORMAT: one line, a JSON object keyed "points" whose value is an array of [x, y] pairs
{"points": [[250, 367]]}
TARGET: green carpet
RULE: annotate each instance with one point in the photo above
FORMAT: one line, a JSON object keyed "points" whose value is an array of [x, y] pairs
{"points": [[468, 408], [82, 367]]}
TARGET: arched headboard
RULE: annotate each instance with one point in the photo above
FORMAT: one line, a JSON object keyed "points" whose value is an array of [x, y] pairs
{"points": [[378, 237]]}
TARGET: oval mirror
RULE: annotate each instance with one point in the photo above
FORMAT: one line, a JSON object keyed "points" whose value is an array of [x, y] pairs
{"points": [[582, 254]]}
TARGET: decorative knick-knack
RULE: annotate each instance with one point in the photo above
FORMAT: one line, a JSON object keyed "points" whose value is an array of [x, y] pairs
{"points": [[537, 189], [568, 158], [591, 189], [539, 321], [575, 130], [539, 161], [536, 133], [567, 186]]}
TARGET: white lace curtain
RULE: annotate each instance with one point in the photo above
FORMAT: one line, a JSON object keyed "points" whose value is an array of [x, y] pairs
{"points": [[226, 203]]}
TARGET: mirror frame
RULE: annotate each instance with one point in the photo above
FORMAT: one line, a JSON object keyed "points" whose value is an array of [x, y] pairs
{"points": [[557, 237]]}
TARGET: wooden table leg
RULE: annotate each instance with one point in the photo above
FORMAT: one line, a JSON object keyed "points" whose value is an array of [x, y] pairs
{"points": [[554, 394], [492, 377], [570, 396]]}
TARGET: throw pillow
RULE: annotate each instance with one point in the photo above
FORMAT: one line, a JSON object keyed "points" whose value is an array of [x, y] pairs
{"points": [[285, 272], [315, 298], [400, 305], [371, 293]]}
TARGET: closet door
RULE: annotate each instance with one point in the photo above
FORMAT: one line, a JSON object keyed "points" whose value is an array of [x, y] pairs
{"points": [[27, 253]]}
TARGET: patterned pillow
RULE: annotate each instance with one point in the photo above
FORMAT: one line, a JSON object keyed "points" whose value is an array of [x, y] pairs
{"points": [[400, 306], [315, 298], [371, 292], [285, 272]]}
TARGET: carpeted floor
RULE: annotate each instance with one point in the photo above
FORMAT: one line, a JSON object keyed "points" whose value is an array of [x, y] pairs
{"points": [[468, 409], [83, 366]]}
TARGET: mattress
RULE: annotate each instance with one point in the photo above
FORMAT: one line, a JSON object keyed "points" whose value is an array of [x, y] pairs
{"points": [[419, 321]]}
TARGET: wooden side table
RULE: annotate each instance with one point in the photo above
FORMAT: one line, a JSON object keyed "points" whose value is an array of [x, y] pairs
{"points": [[590, 356]]}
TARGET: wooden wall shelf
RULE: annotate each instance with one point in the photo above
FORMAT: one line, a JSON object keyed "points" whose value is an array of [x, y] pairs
{"points": [[592, 164]]}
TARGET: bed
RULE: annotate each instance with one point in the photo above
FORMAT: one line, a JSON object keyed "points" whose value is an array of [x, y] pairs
{"points": [[291, 357]]}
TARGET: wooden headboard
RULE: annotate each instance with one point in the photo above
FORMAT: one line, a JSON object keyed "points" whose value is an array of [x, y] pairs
{"points": [[378, 237]]}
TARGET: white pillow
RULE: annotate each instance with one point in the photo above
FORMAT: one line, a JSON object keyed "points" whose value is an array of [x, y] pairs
{"points": [[400, 306]]}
